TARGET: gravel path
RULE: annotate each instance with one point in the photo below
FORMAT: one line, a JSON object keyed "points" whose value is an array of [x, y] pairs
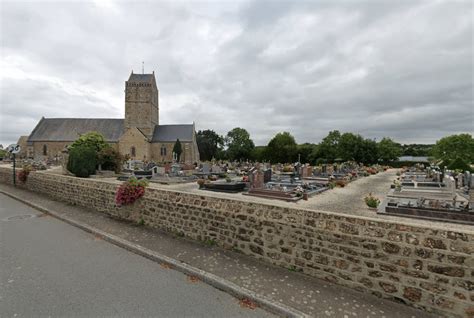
{"points": [[350, 199]]}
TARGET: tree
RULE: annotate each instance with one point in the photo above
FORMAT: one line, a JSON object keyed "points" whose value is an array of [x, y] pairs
{"points": [[388, 150], [259, 154], [282, 148], [92, 139], [210, 144], [350, 147], [84, 154], [177, 149], [459, 164], [367, 152], [327, 150], [239, 145], [304, 151], [455, 146], [82, 160], [110, 159]]}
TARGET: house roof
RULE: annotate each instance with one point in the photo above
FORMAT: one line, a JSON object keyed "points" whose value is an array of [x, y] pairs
{"points": [[141, 78], [169, 133], [69, 129]]}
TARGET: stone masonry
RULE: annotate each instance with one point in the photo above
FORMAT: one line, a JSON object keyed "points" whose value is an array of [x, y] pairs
{"points": [[426, 267]]}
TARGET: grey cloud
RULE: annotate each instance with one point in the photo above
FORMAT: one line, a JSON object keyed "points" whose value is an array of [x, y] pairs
{"points": [[380, 68]]}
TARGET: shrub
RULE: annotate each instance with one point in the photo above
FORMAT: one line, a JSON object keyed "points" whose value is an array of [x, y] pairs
{"points": [[130, 191], [459, 164], [82, 160], [201, 182], [23, 173], [110, 159], [371, 201], [228, 179]]}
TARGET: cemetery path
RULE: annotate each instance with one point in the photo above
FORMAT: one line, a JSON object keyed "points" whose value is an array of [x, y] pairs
{"points": [[350, 199], [314, 297]]}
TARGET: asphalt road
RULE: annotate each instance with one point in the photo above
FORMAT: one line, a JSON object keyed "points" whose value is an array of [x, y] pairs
{"points": [[50, 268]]}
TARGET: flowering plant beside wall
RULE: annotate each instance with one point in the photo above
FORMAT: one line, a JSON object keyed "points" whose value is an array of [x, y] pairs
{"points": [[23, 173], [130, 191]]}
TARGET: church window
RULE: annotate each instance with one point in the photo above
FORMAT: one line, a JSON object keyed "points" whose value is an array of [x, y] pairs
{"points": [[45, 150], [133, 151], [163, 151]]}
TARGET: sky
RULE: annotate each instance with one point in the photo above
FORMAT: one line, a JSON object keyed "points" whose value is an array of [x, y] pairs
{"points": [[399, 69]]}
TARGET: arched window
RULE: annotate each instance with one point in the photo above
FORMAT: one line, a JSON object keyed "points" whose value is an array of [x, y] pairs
{"points": [[45, 150], [163, 151], [133, 151]]}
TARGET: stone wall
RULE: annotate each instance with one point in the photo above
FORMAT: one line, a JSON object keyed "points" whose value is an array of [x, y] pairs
{"points": [[427, 267]]}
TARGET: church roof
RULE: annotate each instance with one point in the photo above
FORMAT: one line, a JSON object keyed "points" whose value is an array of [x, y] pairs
{"points": [[69, 129], [141, 78], [169, 133]]}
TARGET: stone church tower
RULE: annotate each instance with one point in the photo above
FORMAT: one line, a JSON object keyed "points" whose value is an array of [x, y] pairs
{"points": [[141, 103]]}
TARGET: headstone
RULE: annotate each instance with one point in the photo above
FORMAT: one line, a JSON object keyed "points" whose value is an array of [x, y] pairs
{"points": [[256, 178], [158, 171], [450, 184], [306, 171], [330, 169], [267, 175], [460, 178], [206, 168], [216, 169]]}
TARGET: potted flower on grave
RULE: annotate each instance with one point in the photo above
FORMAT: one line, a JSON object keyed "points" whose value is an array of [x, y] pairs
{"points": [[201, 182]]}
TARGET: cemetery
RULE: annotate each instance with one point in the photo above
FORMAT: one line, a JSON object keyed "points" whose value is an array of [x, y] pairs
{"points": [[429, 193]]}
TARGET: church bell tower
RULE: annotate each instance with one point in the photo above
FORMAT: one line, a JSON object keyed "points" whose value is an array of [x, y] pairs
{"points": [[141, 103]]}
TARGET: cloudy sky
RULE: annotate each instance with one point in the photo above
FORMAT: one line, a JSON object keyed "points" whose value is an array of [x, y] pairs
{"points": [[402, 69]]}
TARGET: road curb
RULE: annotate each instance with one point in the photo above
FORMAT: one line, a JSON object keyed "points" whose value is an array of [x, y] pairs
{"points": [[211, 279]]}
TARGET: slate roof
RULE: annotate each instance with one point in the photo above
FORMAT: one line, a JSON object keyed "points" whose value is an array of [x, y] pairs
{"points": [[141, 78], [169, 133], [69, 129]]}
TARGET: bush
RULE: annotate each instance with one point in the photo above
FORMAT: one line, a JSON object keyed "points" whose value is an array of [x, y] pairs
{"points": [[130, 191], [110, 159], [459, 164], [23, 173], [371, 201], [82, 160]]}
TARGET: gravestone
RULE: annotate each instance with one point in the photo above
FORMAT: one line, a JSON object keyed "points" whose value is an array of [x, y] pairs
{"points": [[206, 168], [450, 184], [256, 178], [306, 171], [158, 171], [216, 169], [330, 169], [267, 175]]}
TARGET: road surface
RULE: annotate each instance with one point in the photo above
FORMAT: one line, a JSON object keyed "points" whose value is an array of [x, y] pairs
{"points": [[50, 268]]}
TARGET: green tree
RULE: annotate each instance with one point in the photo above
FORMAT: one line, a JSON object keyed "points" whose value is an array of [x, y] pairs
{"points": [[388, 150], [455, 146], [82, 160], [87, 152], [110, 159], [328, 148], [350, 147], [177, 149], [239, 145], [367, 153], [304, 151], [282, 148], [210, 144], [259, 153], [92, 139], [3, 154]]}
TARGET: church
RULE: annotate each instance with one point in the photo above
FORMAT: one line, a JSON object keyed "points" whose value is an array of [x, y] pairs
{"points": [[139, 135]]}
